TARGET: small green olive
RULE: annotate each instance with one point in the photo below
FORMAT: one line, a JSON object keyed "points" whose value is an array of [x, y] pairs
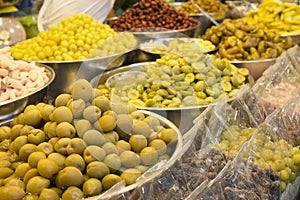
{"points": [[72, 193], [48, 194], [29, 174], [149, 156], [47, 168], [35, 157], [97, 169], [65, 129], [92, 187], [93, 153], [69, 176], [21, 170], [130, 175], [11, 193], [138, 142], [110, 180], [76, 145], [113, 161], [75, 160], [129, 159], [58, 158], [36, 184]]}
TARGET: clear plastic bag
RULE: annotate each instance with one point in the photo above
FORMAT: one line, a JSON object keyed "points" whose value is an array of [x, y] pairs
{"points": [[267, 166]]}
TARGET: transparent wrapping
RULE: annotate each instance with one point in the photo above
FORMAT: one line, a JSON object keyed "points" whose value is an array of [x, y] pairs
{"points": [[279, 82], [267, 165]]}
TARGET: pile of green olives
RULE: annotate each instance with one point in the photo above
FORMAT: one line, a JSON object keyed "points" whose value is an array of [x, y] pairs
{"points": [[74, 38], [180, 81], [79, 147]]}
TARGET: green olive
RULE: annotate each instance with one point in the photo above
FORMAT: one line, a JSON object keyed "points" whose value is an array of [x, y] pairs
{"points": [[110, 180], [107, 123], [94, 153], [15, 131], [72, 193], [149, 156], [30, 174], [130, 159], [62, 99], [152, 122], [48, 194], [36, 184], [32, 117], [36, 136], [112, 136], [21, 170], [94, 137], [61, 145], [47, 168], [5, 132], [97, 169], [65, 129], [138, 142], [76, 145], [35, 157], [82, 126], [137, 115], [6, 172], [102, 102], [15, 182], [31, 197], [45, 147], [53, 141], [110, 148], [18, 143], [26, 150], [159, 145], [61, 114], [141, 128], [46, 111], [168, 135], [75, 160], [130, 175], [58, 158], [69, 176], [124, 125], [82, 89], [92, 113], [112, 161], [12, 193], [92, 187], [123, 145], [50, 129], [26, 130]]}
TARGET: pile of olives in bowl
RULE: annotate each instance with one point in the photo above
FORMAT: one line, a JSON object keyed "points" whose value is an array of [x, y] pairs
{"points": [[81, 146]]}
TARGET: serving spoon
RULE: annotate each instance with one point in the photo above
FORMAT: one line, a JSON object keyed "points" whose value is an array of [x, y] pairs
{"points": [[205, 13]]}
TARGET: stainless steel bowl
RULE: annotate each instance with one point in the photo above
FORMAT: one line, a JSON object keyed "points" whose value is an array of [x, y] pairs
{"points": [[69, 71], [295, 38], [256, 67], [11, 108], [182, 117], [205, 22]]}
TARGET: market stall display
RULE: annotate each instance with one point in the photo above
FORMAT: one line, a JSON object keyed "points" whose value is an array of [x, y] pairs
{"points": [[83, 145]]}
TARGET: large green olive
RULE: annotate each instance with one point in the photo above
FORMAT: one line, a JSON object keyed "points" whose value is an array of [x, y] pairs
{"points": [[36, 136], [18, 143], [72, 193], [15, 131], [112, 136], [82, 89], [76, 145], [62, 100], [159, 145], [129, 159], [102, 102], [61, 114], [50, 129], [113, 161], [11, 193], [97, 169], [149, 156], [168, 135], [26, 150], [35, 157], [58, 158], [15, 182], [77, 107], [124, 125], [32, 117], [48, 194], [75, 160], [94, 153], [69, 176], [123, 145], [6, 172], [5, 132], [92, 113], [141, 128], [45, 147], [30, 174], [61, 145], [92, 187], [107, 123], [110, 148], [36, 184], [46, 112], [21, 170], [65, 129], [110, 180], [31, 197], [138, 142], [82, 126], [130, 175], [94, 137], [47, 168]]}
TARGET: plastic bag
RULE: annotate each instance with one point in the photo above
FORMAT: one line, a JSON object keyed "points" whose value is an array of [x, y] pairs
{"points": [[267, 166], [52, 11], [280, 82]]}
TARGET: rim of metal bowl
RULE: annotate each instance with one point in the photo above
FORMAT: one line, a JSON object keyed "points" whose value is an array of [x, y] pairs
{"points": [[135, 67], [51, 73], [88, 59], [252, 61], [156, 172], [168, 31]]}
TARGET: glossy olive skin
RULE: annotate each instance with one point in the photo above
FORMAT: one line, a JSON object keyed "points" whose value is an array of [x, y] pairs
{"points": [[48, 194], [36, 184], [69, 176], [72, 193], [110, 180], [47, 168], [6, 193], [92, 187]]}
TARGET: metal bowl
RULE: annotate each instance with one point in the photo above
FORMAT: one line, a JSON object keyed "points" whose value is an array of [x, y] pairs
{"points": [[69, 71], [295, 38], [255, 67], [11, 108], [182, 117], [119, 189], [145, 53], [205, 22]]}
